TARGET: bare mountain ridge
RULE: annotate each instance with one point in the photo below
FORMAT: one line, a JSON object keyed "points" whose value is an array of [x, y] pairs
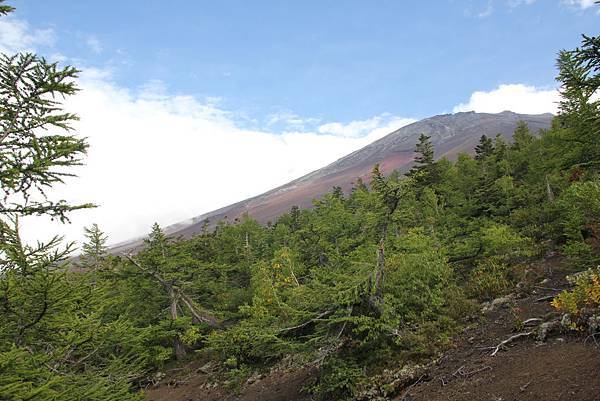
{"points": [[451, 134]]}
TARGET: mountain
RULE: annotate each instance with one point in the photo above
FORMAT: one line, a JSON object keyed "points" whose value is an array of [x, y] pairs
{"points": [[451, 134]]}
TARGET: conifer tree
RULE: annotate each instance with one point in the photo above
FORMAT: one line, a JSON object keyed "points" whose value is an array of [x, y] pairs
{"points": [[94, 249], [425, 170], [53, 341], [484, 148], [579, 75]]}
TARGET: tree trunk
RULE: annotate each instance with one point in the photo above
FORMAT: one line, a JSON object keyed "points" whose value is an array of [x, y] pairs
{"points": [[178, 347], [379, 273], [549, 191]]}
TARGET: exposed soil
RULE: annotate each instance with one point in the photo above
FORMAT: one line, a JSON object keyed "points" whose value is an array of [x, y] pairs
{"points": [[565, 367]]}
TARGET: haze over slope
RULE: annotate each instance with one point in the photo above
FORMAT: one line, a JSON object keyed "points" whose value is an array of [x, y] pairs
{"points": [[450, 133]]}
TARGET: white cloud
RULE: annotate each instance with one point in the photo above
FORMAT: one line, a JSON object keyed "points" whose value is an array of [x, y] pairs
{"points": [[362, 128], [94, 44], [583, 4], [289, 120], [517, 3], [514, 97], [487, 11], [160, 157], [16, 36]]}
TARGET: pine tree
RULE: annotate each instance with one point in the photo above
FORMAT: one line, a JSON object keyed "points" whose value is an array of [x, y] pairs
{"points": [[94, 249], [54, 342], [484, 148], [425, 171], [522, 137], [579, 76]]}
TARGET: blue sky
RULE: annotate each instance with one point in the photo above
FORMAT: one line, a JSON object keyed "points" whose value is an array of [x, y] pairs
{"points": [[332, 60], [194, 106]]}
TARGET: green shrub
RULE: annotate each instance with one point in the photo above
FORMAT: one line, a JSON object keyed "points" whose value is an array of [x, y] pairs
{"points": [[338, 380], [489, 280], [246, 343]]}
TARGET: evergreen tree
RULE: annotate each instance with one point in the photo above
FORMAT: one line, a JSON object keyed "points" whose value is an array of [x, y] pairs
{"points": [[424, 172], [94, 249], [484, 148], [579, 75], [54, 339], [522, 137]]}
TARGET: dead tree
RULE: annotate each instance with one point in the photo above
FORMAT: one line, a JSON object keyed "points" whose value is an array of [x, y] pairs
{"points": [[178, 300], [390, 193]]}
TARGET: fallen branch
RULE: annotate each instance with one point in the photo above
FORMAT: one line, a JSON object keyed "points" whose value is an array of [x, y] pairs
{"points": [[548, 288], [473, 372], [593, 337], [411, 386], [546, 298], [510, 339], [524, 387], [533, 320]]}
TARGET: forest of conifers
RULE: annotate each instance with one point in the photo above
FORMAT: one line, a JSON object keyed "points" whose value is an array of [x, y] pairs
{"points": [[385, 274]]}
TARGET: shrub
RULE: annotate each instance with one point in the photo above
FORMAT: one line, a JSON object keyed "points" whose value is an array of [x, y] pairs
{"points": [[247, 344], [585, 294], [489, 280], [338, 380]]}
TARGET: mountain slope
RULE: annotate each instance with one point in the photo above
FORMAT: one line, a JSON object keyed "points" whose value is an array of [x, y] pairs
{"points": [[450, 133]]}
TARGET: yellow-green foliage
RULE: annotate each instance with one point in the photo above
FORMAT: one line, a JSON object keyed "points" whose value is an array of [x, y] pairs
{"points": [[489, 279], [505, 242], [585, 294]]}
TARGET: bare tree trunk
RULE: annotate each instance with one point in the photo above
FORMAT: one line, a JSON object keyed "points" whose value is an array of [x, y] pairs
{"points": [[549, 191], [379, 273], [178, 346]]}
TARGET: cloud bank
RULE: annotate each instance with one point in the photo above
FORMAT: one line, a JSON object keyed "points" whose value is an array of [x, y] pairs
{"points": [[167, 158], [519, 98]]}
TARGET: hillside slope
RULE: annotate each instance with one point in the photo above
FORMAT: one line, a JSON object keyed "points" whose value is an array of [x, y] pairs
{"points": [[451, 134], [564, 367]]}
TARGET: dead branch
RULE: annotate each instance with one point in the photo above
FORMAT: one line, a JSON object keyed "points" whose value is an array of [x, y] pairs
{"points": [[473, 372], [548, 288], [177, 295], [290, 330], [524, 386], [593, 337], [411, 386], [546, 298], [532, 321], [200, 317], [510, 339], [458, 371]]}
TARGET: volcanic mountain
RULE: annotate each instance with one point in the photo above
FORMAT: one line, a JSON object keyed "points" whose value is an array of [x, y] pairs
{"points": [[451, 134]]}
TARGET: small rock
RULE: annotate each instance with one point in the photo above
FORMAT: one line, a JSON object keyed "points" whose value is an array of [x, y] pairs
{"points": [[206, 368], [546, 328], [594, 324], [565, 321]]}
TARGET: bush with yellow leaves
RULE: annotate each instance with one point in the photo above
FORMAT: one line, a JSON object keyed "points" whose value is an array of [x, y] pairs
{"points": [[583, 299]]}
